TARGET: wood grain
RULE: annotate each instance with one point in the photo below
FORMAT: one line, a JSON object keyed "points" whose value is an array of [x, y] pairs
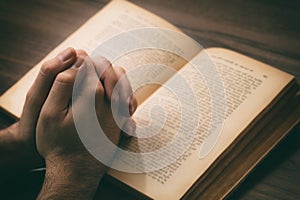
{"points": [[265, 30]]}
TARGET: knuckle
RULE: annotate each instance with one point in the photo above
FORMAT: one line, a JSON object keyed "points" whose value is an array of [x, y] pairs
{"points": [[81, 56], [48, 114], [67, 77], [47, 68]]}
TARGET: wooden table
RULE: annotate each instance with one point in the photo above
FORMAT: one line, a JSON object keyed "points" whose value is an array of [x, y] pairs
{"points": [[266, 30]]}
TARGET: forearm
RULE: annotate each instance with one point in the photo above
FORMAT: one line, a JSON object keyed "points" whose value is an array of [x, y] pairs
{"points": [[15, 155], [71, 179]]}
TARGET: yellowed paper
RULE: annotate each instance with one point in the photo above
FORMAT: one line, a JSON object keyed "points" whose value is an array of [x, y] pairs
{"points": [[249, 87]]}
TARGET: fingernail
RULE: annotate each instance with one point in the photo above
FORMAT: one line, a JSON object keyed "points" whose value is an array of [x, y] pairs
{"points": [[66, 54]]}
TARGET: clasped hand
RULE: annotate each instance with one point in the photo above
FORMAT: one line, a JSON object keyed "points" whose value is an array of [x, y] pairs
{"points": [[46, 130]]}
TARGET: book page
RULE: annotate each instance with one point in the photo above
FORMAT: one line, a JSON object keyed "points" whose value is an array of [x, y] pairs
{"points": [[115, 18], [249, 87]]}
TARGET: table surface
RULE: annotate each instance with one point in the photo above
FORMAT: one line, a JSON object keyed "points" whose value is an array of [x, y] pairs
{"points": [[265, 30]]}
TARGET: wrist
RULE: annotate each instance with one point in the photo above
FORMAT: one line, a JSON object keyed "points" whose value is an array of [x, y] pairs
{"points": [[71, 177], [80, 166]]}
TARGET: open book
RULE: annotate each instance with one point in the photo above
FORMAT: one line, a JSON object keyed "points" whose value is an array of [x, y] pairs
{"points": [[258, 105]]}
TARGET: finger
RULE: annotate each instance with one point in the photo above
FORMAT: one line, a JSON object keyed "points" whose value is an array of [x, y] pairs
{"points": [[85, 87], [61, 92], [108, 122], [82, 63], [39, 90], [86, 79], [90, 97], [81, 56], [106, 74], [127, 98], [126, 105]]}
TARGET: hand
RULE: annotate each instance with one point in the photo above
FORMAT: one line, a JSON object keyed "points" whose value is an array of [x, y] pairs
{"points": [[71, 172], [17, 143]]}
